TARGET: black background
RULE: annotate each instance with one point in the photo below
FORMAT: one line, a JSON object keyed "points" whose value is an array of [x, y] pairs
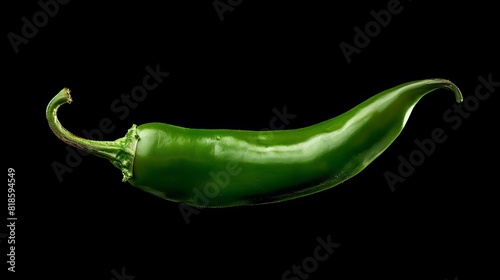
{"points": [[438, 224]]}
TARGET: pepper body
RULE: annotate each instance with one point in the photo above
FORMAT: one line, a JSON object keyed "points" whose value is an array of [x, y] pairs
{"points": [[221, 168]]}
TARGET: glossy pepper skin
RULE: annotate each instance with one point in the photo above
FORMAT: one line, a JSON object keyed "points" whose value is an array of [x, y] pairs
{"points": [[221, 168]]}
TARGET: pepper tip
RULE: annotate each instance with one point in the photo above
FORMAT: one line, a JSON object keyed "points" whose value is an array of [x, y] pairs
{"points": [[453, 87]]}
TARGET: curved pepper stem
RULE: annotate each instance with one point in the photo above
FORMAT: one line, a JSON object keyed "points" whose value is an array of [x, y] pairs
{"points": [[442, 83], [419, 89], [120, 152]]}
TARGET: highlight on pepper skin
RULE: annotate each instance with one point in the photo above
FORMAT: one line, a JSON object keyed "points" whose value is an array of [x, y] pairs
{"points": [[179, 164]]}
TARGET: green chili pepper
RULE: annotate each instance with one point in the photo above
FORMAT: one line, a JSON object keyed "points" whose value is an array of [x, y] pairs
{"points": [[220, 167]]}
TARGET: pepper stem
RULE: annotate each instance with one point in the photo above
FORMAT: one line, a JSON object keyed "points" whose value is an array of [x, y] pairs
{"points": [[120, 152], [449, 85]]}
